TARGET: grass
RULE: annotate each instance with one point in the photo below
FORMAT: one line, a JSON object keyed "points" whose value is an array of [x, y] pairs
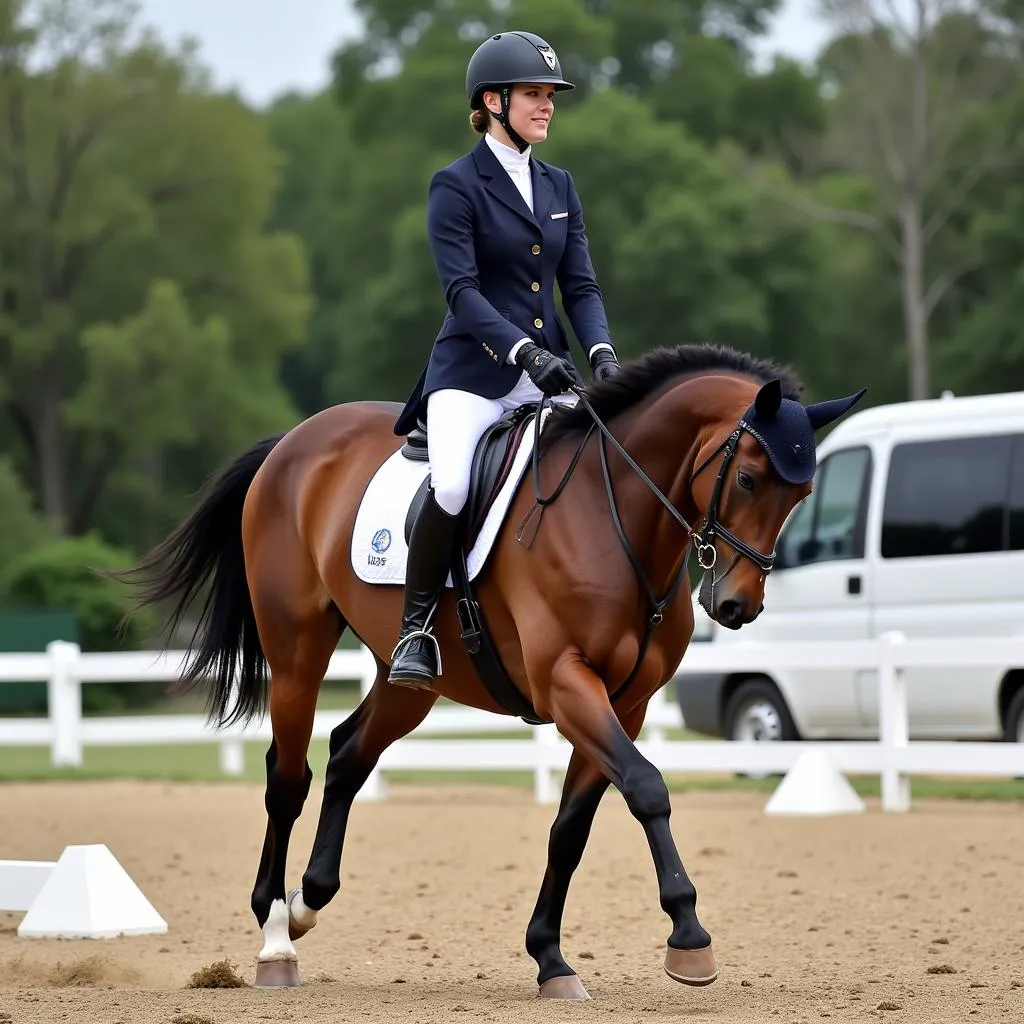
{"points": [[198, 762]]}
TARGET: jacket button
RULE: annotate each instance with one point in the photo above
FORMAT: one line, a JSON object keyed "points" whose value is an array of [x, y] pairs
{"points": [[538, 323], [535, 250], [535, 287]]}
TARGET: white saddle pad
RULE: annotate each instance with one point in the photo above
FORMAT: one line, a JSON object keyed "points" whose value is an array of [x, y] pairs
{"points": [[379, 551]]}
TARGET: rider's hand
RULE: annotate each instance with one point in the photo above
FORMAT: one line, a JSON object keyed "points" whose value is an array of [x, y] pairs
{"points": [[551, 374], [604, 363]]}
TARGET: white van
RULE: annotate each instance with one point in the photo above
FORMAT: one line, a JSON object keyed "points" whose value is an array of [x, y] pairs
{"points": [[916, 524]]}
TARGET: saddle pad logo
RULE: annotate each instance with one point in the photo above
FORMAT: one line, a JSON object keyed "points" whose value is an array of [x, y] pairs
{"points": [[381, 541]]}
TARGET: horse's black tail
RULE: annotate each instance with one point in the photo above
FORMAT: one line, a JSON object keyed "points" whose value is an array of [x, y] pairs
{"points": [[207, 548]]}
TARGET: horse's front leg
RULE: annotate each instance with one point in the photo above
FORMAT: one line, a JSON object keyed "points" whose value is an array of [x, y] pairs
{"points": [[581, 710], [584, 786]]}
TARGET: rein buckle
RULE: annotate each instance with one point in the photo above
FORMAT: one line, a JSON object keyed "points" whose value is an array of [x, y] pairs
{"points": [[712, 558]]}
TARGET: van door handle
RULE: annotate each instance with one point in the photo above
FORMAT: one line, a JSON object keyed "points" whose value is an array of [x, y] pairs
{"points": [[853, 584]]}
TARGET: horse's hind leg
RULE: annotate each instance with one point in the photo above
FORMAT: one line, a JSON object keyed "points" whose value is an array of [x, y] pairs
{"points": [[386, 714], [584, 786], [298, 650], [581, 793]]}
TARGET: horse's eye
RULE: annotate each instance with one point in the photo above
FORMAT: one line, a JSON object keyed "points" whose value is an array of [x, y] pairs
{"points": [[746, 480]]}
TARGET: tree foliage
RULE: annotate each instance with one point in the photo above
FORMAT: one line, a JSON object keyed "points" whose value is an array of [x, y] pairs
{"points": [[133, 257], [180, 274], [67, 573]]}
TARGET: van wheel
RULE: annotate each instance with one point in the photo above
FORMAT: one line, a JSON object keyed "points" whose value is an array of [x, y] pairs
{"points": [[756, 711], [1014, 727]]}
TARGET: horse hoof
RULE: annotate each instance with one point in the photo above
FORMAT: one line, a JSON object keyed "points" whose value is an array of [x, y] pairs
{"points": [[277, 974], [691, 966], [297, 927], [566, 986]]}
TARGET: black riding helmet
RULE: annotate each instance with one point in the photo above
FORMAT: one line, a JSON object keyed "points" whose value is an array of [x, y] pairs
{"points": [[507, 58]]}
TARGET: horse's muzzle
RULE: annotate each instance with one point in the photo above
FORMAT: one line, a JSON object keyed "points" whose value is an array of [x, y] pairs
{"points": [[730, 612]]}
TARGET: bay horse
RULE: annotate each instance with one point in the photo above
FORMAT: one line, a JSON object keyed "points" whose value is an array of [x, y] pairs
{"points": [[697, 434]]}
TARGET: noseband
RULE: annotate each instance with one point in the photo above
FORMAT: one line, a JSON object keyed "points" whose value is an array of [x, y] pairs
{"points": [[703, 539]]}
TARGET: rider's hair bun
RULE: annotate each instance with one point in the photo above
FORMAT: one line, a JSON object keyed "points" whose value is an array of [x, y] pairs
{"points": [[480, 120]]}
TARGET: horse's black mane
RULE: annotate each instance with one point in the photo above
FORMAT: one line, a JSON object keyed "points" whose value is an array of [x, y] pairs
{"points": [[638, 378]]}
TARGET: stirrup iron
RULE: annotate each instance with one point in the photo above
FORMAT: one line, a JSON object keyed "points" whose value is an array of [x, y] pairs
{"points": [[420, 634]]}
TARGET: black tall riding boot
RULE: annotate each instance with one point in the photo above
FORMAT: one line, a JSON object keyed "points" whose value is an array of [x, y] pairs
{"points": [[416, 660]]}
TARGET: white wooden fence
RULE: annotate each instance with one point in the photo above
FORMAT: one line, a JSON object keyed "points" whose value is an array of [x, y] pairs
{"points": [[64, 668]]}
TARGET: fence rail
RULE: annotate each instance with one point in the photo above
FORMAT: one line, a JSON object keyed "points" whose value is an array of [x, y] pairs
{"points": [[65, 669]]}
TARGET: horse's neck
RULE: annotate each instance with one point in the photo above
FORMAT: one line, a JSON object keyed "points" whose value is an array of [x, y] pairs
{"points": [[665, 447], [664, 437]]}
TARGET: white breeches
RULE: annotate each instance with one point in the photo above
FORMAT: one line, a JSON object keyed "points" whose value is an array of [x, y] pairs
{"points": [[456, 420]]}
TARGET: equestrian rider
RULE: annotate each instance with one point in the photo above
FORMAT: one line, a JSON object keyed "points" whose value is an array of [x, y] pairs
{"points": [[504, 227]]}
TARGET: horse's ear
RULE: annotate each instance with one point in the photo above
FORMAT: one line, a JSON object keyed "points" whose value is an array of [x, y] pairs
{"points": [[823, 413], [769, 400]]}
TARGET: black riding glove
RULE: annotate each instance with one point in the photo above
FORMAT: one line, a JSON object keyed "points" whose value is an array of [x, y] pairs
{"points": [[551, 374], [604, 363]]}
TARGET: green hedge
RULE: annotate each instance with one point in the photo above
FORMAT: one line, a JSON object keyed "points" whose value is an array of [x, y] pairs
{"points": [[67, 575]]}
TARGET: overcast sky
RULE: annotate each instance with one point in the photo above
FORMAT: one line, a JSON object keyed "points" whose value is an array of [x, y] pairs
{"points": [[263, 47]]}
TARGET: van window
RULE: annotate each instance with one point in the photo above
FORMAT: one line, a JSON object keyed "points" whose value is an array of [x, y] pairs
{"points": [[829, 525], [946, 497], [1016, 524]]}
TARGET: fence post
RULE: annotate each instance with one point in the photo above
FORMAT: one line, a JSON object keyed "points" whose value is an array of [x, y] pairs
{"points": [[893, 723], [232, 756], [230, 750], [657, 704], [375, 787], [544, 789], [64, 699]]}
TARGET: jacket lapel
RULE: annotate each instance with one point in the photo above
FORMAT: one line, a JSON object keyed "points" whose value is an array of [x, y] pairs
{"points": [[543, 191], [500, 185]]}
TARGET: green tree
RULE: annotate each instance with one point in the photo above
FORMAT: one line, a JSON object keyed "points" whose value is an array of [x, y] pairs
{"points": [[983, 343], [683, 248], [133, 200], [911, 118], [780, 114], [317, 162], [67, 574], [445, 32], [21, 529], [662, 136]]}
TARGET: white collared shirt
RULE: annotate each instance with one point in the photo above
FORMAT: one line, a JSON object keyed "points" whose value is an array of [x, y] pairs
{"points": [[516, 164]]}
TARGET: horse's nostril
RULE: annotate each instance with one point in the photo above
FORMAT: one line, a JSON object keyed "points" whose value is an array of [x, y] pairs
{"points": [[730, 612]]}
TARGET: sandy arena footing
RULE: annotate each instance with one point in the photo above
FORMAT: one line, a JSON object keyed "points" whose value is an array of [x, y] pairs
{"points": [[916, 917]]}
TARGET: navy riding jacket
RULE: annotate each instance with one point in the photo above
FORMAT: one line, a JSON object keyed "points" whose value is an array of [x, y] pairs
{"points": [[498, 263]]}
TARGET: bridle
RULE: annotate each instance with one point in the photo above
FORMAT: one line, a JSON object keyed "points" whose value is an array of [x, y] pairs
{"points": [[712, 527], [703, 538]]}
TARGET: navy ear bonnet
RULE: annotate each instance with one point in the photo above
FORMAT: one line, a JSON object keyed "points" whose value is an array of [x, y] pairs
{"points": [[786, 429]]}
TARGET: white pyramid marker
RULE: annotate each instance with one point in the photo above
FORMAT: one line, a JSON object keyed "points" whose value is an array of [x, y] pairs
{"points": [[814, 786], [89, 896]]}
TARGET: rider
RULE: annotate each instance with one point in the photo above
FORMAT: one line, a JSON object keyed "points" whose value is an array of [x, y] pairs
{"points": [[503, 228]]}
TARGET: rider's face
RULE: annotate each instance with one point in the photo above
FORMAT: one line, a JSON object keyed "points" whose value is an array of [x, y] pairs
{"points": [[531, 107]]}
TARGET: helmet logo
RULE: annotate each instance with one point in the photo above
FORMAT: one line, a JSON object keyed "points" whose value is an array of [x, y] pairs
{"points": [[549, 56]]}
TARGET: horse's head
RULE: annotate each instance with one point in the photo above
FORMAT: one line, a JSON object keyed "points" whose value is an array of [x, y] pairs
{"points": [[747, 485]]}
